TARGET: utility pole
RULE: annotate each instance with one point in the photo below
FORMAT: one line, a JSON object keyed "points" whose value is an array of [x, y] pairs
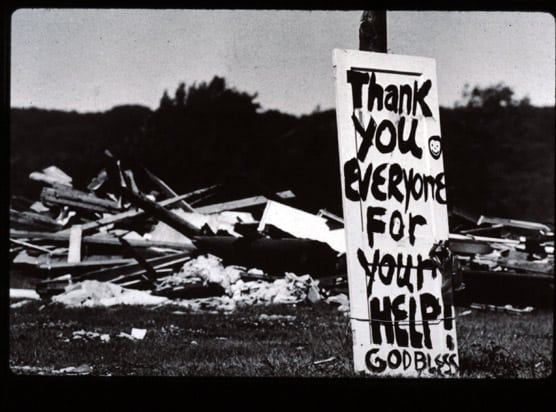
{"points": [[372, 31]]}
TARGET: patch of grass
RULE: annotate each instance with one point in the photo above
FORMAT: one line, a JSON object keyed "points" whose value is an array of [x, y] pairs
{"points": [[285, 343]]}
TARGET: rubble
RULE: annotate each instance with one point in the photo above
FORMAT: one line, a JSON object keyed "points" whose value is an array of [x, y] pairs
{"points": [[91, 293], [125, 240]]}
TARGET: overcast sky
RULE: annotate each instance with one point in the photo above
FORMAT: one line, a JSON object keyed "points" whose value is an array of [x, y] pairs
{"points": [[92, 60]]}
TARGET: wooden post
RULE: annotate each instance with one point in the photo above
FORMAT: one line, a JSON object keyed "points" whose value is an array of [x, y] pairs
{"points": [[372, 31], [74, 251]]}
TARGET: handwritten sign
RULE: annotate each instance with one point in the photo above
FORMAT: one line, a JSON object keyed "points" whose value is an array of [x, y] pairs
{"points": [[394, 201]]}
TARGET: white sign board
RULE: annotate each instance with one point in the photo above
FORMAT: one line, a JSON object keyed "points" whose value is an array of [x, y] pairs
{"points": [[394, 202]]}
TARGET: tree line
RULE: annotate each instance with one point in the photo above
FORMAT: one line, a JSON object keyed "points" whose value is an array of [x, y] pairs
{"points": [[498, 151]]}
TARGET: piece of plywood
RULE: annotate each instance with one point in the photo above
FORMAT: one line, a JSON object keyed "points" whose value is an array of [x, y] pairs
{"points": [[394, 203]]}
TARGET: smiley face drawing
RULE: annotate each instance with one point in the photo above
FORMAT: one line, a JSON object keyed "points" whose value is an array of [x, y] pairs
{"points": [[435, 147]]}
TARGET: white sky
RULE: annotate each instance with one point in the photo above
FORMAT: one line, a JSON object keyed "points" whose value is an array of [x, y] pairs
{"points": [[92, 60]]}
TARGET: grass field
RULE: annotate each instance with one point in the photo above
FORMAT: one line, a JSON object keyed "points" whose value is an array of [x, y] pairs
{"points": [[277, 341]]}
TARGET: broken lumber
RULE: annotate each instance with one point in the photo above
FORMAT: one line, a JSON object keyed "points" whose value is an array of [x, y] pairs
{"points": [[30, 246], [154, 209], [167, 190], [515, 223], [98, 240], [151, 274], [130, 180], [83, 264], [74, 250], [34, 220], [77, 199], [91, 226], [98, 181]]}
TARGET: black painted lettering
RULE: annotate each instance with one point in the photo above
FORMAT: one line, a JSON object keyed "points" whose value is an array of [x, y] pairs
{"points": [[395, 176], [391, 98], [374, 225], [430, 309], [367, 134], [405, 91], [378, 180], [409, 145], [415, 337], [414, 221], [389, 263], [396, 230], [374, 364], [404, 280], [357, 80], [419, 95], [385, 125], [402, 337], [417, 193], [381, 317], [369, 273], [420, 361], [430, 182], [375, 92], [406, 360], [351, 175], [394, 359], [440, 185]]}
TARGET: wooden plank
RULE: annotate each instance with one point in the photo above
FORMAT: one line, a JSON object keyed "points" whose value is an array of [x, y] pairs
{"points": [[130, 180], [85, 263], [233, 204], [89, 227], [30, 246], [74, 251], [64, 192], [33, 219], [167, 190], [514, 223], [154, 209], [53, 196], [149, 271], [98, 240]]}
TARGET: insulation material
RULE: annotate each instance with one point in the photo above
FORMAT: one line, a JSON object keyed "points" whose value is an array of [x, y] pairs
{"points": [[302, 225], [204, 269], [290, 289], [91, 293], [24, 294], [209, 269]]}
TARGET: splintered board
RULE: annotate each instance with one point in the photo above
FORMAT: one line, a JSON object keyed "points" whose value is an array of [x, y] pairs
{"points": [[394, 202]]}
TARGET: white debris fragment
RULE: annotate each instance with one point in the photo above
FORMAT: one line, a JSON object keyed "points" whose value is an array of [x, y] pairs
{"points": [[91, 293], [204, 269], [264, 317], [24, 294], [20, 303], [302, 225], [342, 300], [138, 333]]}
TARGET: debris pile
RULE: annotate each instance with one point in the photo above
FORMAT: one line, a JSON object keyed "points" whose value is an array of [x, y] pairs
{"points": [[111, 243], [503, 261], [119, 240]]}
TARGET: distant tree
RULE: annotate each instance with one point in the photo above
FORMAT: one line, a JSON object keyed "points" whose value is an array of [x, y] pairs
{"points": [[165, 101], [490, 97], [180, 95], [207, 135]]}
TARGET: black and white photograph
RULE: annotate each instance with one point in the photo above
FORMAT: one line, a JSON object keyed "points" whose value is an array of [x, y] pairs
{"points": [[281, 193]]}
